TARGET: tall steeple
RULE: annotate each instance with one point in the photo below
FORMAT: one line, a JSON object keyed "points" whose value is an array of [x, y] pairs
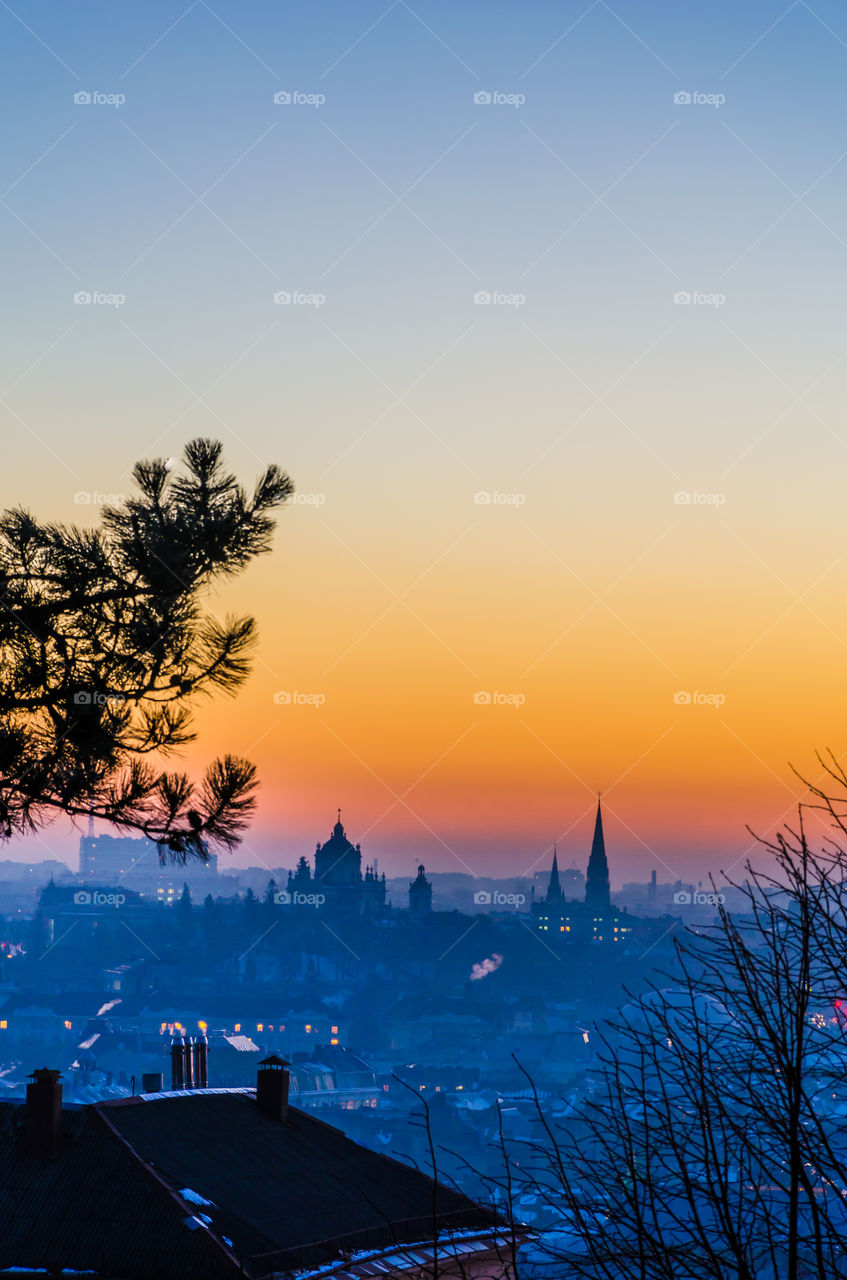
{"points": [[554, 889], [597, 878]]}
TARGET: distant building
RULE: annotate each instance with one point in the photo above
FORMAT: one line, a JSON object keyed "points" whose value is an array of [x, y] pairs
{"points": [[420, 894], [218, 1184], [337, 882], [594, 919], [135, 863]]}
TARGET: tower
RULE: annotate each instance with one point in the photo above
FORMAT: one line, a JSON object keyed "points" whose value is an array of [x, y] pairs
{"points": [[420, 893], [597, 877]]}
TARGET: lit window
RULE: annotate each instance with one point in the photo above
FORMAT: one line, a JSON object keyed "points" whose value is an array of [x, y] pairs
{"points": [[334, 1030], [282, 1026], [334, 1040], [203, 1025], [237, 1026], [260, 1026], [3, 1025], [308, 1027], [67, 1026]]}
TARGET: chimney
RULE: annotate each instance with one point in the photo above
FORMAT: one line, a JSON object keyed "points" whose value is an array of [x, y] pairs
{"points": [[152, 1082], [201, 1061], [43, 1113], [177, 1061], [188, 1061], [272, 1087]]}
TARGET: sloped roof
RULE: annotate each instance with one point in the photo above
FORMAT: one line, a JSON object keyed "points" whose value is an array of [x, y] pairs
{"points": [[111, 1200], [95, 1207]]}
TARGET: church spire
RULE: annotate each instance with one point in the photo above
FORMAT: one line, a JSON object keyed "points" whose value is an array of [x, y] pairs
{"points": [[554, 889], [597, 877]]}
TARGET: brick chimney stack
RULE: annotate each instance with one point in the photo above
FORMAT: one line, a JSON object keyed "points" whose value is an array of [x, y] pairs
{"points": [[43, 1113], [188, 1061], [201, 1061], [177, 1061], [272, 1081]]}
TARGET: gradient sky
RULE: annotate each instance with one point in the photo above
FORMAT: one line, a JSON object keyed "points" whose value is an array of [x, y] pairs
{"points": [[394, 595]]}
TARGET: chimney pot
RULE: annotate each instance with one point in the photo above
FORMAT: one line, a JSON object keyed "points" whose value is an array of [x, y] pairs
{"points": [[272, 1081], [177, 1062], [43, 1112], [201, 1062], [188, 1058]]}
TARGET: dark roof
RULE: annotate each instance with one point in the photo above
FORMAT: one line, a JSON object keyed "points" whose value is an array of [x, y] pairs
{"points": [[111, 1200]]}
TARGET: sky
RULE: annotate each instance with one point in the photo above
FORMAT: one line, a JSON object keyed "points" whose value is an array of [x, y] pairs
{"points": [[542, 307]]}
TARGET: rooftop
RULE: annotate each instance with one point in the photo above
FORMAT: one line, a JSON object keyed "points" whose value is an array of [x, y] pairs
{"points": [[206, 1184]]}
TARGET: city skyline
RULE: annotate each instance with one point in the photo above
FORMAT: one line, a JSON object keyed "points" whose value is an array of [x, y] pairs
{"points": [[559, 382]]}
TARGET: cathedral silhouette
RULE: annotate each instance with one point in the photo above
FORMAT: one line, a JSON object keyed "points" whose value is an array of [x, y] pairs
{"points": [[594, 919], [338, 877]]}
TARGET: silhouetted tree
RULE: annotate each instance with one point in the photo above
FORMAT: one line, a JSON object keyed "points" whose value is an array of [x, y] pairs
{"points": [[714, 1142], [104, 646]]}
